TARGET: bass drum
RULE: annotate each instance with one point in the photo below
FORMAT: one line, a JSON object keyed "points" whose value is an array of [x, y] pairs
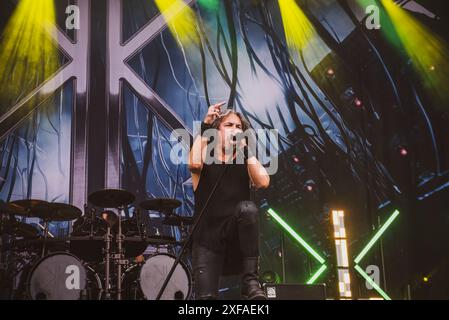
{"points": [[62, 276], [143, 281]]}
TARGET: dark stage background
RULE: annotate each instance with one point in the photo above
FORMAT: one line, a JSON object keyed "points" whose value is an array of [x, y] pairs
{"points": [[108, 123]]}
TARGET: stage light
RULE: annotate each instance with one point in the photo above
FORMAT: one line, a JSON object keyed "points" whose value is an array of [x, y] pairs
{"points": [[372, 283], [358, 103], [299, 31], [211, 5], [309, 185], [295, 235], [330, 73], [365, 250], [317, 274], [403, 151], [427, 52], [27, 53], [303, 243], [279, 253], [376, 237], [181, 20], [341, 248]]}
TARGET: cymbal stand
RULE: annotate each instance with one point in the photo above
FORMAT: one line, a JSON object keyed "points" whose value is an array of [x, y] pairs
{"points": [[44, 243], [107, 262], [183, 231], [93, 212], [119, 256]]}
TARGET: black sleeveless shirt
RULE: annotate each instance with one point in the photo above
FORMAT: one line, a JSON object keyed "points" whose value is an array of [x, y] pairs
{"points": [[233, 187]]}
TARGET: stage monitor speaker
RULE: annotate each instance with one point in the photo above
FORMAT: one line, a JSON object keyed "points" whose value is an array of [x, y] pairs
{"points": [[295, 291]]}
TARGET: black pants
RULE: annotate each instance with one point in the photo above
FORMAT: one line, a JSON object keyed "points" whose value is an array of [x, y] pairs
{"points": [[208, 265]]}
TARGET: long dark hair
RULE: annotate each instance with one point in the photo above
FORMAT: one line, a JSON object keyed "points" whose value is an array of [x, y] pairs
{"points": [[245, 124]]}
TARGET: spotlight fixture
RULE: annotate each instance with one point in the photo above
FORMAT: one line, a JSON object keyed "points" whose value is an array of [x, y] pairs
{"points": [[403, 151], [358, 103], [309, 185], [330, 73]]}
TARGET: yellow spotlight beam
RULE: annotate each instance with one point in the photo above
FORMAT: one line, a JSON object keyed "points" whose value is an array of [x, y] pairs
{"points": [[299, 31], [181, 20], [27, 54], [428, 53]]}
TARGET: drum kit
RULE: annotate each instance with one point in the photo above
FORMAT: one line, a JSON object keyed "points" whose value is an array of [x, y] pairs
{"points": [[102, 259]]}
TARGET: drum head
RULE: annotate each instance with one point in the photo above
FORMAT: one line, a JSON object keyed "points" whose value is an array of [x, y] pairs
{"points": [[153, 274], [59, 276]]}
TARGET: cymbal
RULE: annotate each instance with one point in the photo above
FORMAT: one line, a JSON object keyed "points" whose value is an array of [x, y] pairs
{"points": [[160, 204], [19, 229], [23, 207], [55, 211], [177, 220], [8, 208], [111, 198]]}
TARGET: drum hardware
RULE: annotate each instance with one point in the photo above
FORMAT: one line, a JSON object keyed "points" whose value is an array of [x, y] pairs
{"points": [[16, 228], [44, 243], [111, 219], [24, 208], [179, 221], [119, 256], [119, 239], [161, 239], [114, 198], [54, 211], [35, 245], [92, 217], [165, 205], [107, 253], [111, 198], [11, 209]]}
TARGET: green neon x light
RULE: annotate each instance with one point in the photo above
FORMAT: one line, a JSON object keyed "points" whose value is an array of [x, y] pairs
{"points": [[316, 275], [365, 250], [372, 283], [376, 237], [303, 243]]}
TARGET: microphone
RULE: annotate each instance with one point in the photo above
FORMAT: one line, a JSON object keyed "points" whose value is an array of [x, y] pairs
{"points": [[233, 138]]}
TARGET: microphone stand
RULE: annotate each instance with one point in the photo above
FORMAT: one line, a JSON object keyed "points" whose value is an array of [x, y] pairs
{"points": [[186, 243]]}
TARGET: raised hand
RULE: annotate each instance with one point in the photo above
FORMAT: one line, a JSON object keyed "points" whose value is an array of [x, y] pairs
{"points": [[213, 112]]}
